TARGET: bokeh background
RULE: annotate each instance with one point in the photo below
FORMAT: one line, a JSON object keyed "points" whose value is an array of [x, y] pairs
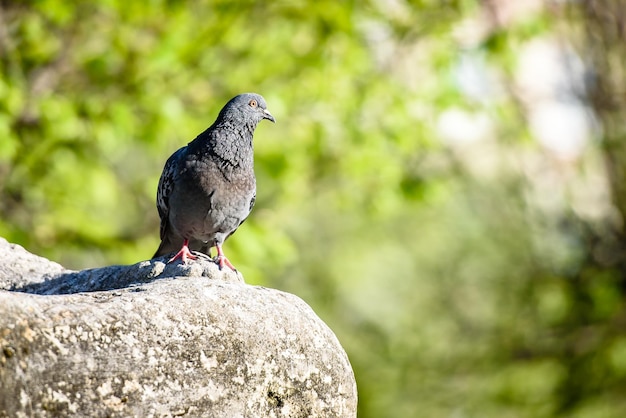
{"points": [[444, 184]]}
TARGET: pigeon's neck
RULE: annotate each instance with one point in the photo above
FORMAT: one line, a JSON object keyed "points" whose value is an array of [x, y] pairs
{"points": [[231, 143]]}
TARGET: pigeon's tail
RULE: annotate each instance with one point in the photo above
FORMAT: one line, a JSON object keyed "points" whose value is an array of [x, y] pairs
{"points": [[164, 248], [159, 252]]}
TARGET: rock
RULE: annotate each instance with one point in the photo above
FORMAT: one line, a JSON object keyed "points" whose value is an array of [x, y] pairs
{"points": [[161, 341], [18, 267]]}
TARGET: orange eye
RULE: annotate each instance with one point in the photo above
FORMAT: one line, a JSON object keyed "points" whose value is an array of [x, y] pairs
{"points": [[252, 103]]}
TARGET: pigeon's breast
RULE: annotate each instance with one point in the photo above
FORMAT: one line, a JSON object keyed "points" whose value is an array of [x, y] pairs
{"points": [[230, 205], [211, 201]]}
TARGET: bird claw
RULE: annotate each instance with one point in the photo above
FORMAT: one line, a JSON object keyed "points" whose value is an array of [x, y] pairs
{"points": [[223, 261], [183, 254]]}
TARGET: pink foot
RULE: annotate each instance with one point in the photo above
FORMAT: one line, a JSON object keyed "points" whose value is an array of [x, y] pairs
{"points": [[222, 260], [183, 254]]}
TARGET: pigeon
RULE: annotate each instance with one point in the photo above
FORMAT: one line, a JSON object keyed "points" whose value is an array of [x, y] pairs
{"points": [[208, 188]]}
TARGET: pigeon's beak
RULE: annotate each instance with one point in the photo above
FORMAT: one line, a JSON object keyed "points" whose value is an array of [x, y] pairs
{"points": [[267, 115]]}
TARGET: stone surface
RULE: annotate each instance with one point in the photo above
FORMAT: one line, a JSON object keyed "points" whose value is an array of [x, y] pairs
{"points": [[155, 340]]}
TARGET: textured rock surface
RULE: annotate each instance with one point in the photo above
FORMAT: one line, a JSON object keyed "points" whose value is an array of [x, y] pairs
{"points": [[155, 345]]}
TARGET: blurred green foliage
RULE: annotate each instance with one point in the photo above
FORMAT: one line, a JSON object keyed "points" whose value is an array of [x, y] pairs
{"points": [[454, 287]]}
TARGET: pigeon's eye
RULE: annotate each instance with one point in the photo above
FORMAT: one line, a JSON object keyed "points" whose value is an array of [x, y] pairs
{"points": [[252, 103]]}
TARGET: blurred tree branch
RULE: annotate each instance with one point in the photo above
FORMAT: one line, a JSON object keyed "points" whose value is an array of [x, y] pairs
{"points": [[604, 23]]}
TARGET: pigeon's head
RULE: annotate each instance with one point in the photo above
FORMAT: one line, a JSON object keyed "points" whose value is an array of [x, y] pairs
{"points": [[246, 108]]}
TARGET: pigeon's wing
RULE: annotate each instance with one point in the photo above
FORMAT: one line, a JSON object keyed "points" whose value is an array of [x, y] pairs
{"points": [[245, 217], [249, 210], [166, 184], [251, 204]]}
